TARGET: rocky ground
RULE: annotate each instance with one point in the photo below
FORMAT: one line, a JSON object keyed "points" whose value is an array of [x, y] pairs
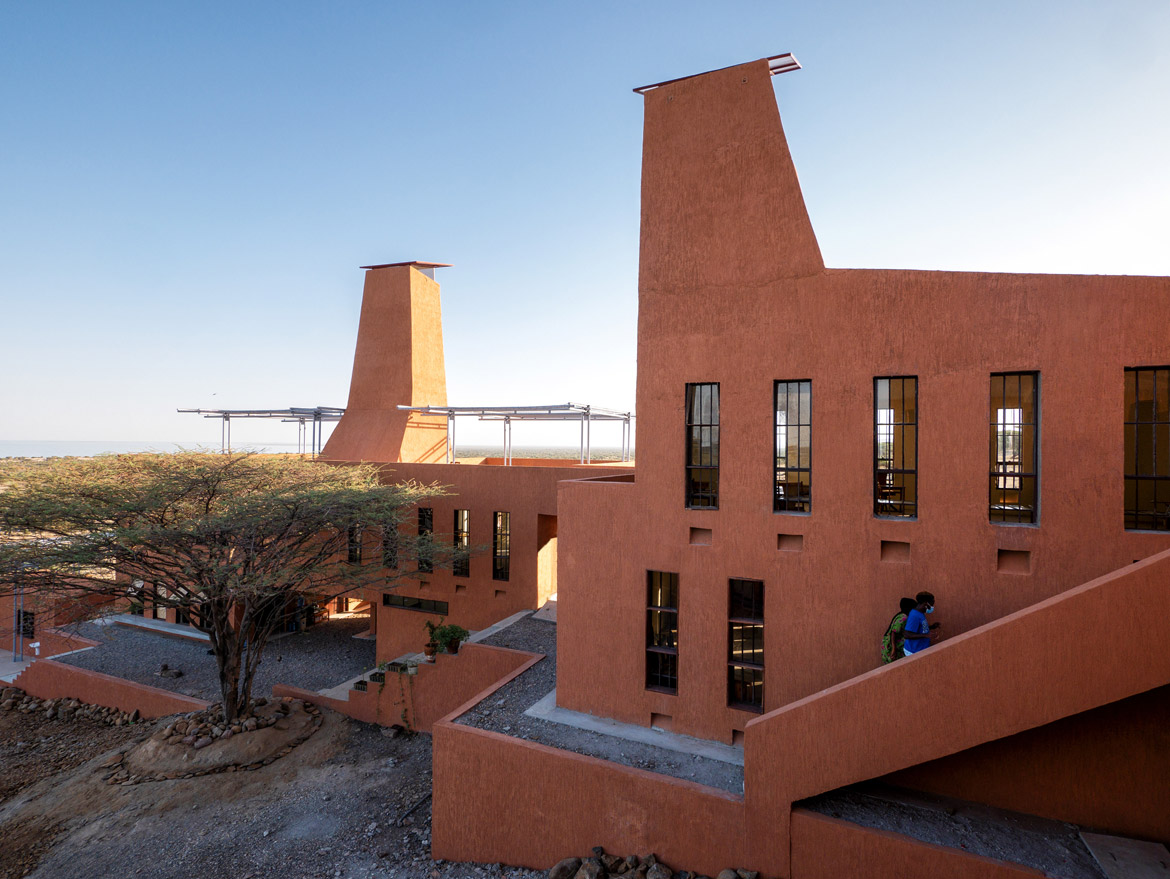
{"points": [[324, 656], [351, 802], [503, 712]]}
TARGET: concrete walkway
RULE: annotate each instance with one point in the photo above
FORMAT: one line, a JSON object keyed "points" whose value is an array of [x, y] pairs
{"points": [[546, 709], [159, 627]]}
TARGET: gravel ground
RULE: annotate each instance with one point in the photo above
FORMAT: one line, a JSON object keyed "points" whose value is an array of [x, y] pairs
{"points": [[324, 656], [503, 712], [338, 806], [1050, 846]]}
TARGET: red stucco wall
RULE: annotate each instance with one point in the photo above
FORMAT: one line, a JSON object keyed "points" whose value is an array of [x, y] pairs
{"points": [[1108, 769], [418, 701], [500, 799], [46, 679], [1024, 671], [824, 848], [476, 601], [731, 290]]}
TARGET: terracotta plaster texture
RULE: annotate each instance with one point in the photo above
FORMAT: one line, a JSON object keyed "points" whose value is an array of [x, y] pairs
{"points": [[824, 848], [398, 361], [46, 679], [417, 701], [516, 802], [1106, 768], [731, 290], [1018, 673], [529, 495]]}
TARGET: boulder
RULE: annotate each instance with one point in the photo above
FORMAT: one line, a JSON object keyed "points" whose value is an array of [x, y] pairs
{"points": [[203, 742], [727, 874], [565, 869], [747, 874], [591, 868], [659, 871]]}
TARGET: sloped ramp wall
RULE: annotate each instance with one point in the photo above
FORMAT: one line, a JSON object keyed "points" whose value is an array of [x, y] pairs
{"points": [[1108, 769], [418, 701], [825, 848], [1021, 672]]}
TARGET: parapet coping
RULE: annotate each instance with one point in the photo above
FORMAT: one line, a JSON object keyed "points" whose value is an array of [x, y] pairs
{"points": [[546, 709], [341, 691]]}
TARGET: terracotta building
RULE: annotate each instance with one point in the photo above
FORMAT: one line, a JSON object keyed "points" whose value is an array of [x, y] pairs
{"points": [[503, 514], [815, 443]]}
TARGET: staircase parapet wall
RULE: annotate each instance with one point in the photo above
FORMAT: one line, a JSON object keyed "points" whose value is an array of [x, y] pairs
{"points": [[1105, 640]]}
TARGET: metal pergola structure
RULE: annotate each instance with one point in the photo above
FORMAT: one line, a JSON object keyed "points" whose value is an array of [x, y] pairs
{"points": [[507, 414], [310, 423]]}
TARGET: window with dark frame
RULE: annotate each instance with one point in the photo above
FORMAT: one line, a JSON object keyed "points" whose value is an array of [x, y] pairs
{"points": [[745, 645], [406, 602], [793, 486], [1147, 448], [26, 623], [895, 447], [501, 546], [702, 427], [390, 545], [1014, 433], [354, 545], [662, 631], [426, 526], [461, 563]]}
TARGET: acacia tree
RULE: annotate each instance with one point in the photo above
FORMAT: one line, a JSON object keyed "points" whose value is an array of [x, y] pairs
{"points": [[228, 539]]}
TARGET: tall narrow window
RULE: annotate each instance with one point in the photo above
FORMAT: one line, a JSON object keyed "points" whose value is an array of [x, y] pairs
{"points": [[26, 623], [426, 525], [745, 645], [1014, 443], [390, 544], [461, 564], [702, 489], [354, 545], [502, 546], [1147, 449], [793, 447], [662, 632], [895, 447]]}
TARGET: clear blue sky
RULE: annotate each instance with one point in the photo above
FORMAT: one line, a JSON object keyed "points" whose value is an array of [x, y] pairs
{"points": [[188, 189]]}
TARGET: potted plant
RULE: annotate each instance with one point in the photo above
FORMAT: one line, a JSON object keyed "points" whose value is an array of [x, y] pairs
{"points": [[450, 636], [432, 645]]}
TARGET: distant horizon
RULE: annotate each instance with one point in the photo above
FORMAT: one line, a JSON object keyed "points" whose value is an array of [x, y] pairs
{"points": [[94, 448]]}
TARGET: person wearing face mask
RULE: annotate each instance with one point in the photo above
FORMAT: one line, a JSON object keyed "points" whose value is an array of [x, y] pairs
{"points": [[917, 633]]}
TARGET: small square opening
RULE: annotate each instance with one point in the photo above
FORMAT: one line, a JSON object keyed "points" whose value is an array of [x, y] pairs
{"points": [[737, 737], [663, 722], [790, 542], [500, 593], [700, 537], [1014, 561], [896, 551], [460, 587]]}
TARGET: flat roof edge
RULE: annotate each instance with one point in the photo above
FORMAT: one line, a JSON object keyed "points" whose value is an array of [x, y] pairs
{"points": [[777, 64]]}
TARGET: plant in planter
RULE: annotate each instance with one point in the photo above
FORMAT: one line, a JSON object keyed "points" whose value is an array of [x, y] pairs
{"points": [[432, 645], [449, 637]]}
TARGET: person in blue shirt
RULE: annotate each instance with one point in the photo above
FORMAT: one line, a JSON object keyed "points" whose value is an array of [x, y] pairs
{"points": [[917, 633]]}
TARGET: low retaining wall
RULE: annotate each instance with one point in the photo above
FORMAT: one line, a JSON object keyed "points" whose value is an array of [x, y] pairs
{"points": [[417, 701], [52, 641], [47, 679], [506, 800], [826, 848]]}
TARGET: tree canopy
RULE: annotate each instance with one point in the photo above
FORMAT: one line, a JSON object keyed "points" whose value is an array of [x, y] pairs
{"points": [[227, 539]]}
